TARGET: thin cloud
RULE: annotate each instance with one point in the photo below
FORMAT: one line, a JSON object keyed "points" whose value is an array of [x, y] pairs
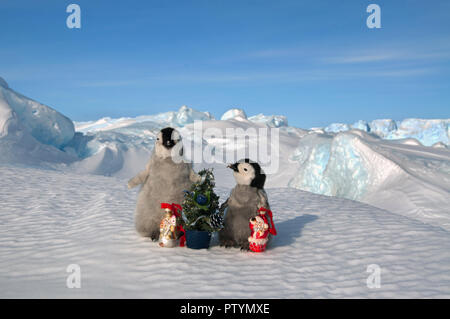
{"points": [[382, 53], [400, 55], [320, 74], [359, 58], [276, 53]]}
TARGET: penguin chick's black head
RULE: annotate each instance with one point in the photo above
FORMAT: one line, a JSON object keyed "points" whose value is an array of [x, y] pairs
{"points": [[167, 141], [240, 169]]}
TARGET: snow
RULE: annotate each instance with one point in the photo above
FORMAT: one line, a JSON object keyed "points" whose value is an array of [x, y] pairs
{"points": [[183, 116], [234, 114], [426, 131], [351, 164], [323, 247], [340, 160], [439, 145], [270, 120], [411, 180], [43, 123], [361, 125], [30, 132], [399, 169], [3, 83], [382, 128], [336, 127]]}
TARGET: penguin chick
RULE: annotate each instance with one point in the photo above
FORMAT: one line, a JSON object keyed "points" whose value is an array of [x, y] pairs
{"points": [[244, 201], [163, 180]]}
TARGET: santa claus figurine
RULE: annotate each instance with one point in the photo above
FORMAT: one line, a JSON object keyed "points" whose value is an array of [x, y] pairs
{"points": [[260, 230]]}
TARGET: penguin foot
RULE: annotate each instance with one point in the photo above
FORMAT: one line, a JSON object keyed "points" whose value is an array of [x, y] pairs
{"points": [[243, 245], [154, 236], [227, 243]]}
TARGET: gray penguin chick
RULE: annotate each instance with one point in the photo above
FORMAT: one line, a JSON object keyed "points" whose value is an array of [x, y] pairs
{"points": [[164, 179], [244, 201]]}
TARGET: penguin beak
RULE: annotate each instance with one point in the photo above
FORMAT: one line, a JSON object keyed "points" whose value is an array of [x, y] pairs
{"points": [[234, 167], [168, 143]]}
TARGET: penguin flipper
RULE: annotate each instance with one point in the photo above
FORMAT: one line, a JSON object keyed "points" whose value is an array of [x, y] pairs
{"points": [[263, 199], [194, 177], [139, 179], [223, 207]]}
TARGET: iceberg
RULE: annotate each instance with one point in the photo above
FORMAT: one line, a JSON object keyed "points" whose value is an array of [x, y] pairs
{"points": [[383, 127], [428, 132], [331, 165], [184, 116], [32, 133], [270, 120], [119, 146], [3, 83], [43, 123], [234, 114], [359, 166], [336, 128], [361, 125]]}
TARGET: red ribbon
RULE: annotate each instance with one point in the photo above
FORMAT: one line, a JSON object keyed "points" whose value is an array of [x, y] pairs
{"points": [[175, 208], [272, 229]]}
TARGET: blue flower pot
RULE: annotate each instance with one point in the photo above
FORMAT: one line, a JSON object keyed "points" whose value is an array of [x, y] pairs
{"points": [[196, 239]]}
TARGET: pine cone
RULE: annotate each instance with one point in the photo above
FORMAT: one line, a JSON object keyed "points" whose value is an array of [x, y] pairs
{"points": [[216, 221]]}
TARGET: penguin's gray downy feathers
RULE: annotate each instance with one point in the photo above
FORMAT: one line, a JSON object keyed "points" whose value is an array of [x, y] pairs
{"points": [[163, 181], [243, 204]]}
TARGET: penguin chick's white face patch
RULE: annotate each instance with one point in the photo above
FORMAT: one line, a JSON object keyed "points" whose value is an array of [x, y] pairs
{"points": [[245, 174], [167, 142]]}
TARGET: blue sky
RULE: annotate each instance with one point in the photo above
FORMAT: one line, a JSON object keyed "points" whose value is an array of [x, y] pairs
{"points": [[314, 61]]}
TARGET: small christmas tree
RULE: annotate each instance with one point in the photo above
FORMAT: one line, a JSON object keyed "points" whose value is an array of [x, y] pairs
{"points": [[201, 205]]}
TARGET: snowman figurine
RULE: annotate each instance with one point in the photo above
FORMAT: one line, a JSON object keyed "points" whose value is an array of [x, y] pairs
{"points": [[167, 229]]}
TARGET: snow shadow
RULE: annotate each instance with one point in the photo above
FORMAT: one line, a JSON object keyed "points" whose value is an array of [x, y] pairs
{"points": [[290, 229]]}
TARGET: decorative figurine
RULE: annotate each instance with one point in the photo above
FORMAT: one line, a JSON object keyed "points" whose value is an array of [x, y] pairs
{"points": [[260, 230], [169, 228], [245, 199], [164, 178]]}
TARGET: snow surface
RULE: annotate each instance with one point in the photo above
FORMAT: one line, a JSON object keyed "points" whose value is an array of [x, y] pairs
{"points": [[55, 212], [323, 247]]}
